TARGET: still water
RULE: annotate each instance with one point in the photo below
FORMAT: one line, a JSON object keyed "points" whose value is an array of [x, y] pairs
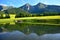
{"points": [[17, 35], [22, 31]]}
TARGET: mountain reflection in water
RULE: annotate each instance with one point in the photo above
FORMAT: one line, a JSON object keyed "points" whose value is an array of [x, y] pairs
{"points": [[17, 35]]}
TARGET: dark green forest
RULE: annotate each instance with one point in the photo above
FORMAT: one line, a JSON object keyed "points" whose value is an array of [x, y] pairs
{"points": [[22, 13]]}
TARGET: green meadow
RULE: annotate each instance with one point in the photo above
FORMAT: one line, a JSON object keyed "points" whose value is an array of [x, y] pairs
{"points": [[55, 20]]}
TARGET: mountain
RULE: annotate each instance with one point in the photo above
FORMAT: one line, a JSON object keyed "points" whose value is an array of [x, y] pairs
{"points": [[18, 11], [2, 7], [26, 7], [15, 11], [40, 7]]}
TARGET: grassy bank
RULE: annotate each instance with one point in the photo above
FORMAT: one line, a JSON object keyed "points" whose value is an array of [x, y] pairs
{"points": [[36, 20]]}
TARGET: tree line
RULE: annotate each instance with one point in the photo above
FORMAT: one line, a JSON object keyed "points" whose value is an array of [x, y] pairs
{"points": [[22, 13]]}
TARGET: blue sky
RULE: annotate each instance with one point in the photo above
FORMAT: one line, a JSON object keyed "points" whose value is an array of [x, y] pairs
{"points": [[18, 3]]}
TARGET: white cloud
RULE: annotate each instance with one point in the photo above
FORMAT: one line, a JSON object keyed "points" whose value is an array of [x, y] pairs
{"points": [[3, 4]]}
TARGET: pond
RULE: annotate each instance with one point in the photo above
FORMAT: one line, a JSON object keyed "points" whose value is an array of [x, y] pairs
{"points": [[24, 31], [17, 35]]}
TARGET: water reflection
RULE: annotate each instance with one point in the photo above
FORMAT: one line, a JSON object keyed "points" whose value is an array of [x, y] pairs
{"points": [[29, 32], [50, 37], [17, 35], [32, 28]]}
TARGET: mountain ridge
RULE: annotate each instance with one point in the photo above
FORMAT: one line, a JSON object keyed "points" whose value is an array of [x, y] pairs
{"points": [[38, 8]]}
